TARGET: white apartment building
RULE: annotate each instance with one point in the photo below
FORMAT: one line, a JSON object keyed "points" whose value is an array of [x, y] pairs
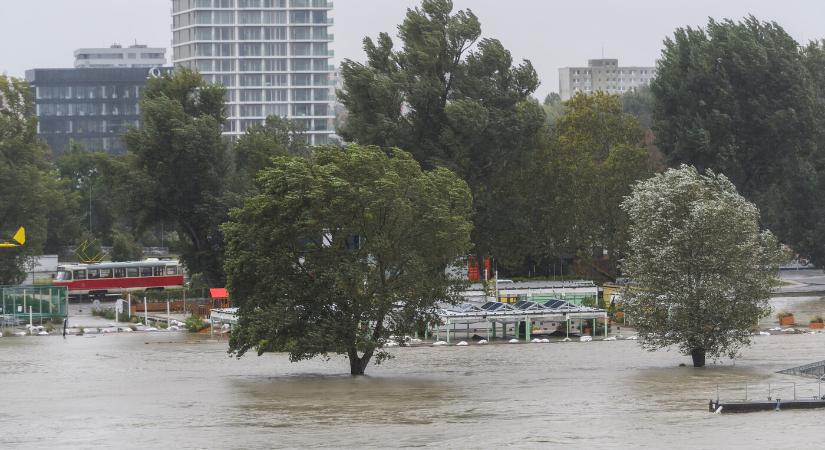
{"points": [[118, 56], [273, 57], [603, 75]]}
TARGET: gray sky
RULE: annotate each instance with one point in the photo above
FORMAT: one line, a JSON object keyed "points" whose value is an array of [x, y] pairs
{"points": [[551, 33]]}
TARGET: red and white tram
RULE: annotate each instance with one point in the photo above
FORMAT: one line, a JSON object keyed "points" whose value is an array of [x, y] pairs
{"points": [[100, 279]]}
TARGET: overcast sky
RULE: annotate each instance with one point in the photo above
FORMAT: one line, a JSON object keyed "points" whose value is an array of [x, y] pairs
{"points": [[552, 34]]}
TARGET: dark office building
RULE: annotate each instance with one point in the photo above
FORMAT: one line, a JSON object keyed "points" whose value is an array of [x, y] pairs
{"points": [[91, 106]]}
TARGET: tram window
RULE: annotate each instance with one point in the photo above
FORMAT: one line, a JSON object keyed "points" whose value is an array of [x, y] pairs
{"points": [[171, 270], [120, 272], [64, 275], [106, 273], [131, 271], [158, 271], [80, 274], [94, 274], [146, 271]]}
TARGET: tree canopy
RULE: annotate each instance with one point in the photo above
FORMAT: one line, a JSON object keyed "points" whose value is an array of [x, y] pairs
{"points": [[27, 182], [179, 163], [336, 252], [742, 98], [595, 155], [702, 269], [453, 99]]}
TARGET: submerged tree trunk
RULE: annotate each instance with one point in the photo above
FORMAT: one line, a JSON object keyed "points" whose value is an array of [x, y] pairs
{"points": [[357, 365], [698, 355]]}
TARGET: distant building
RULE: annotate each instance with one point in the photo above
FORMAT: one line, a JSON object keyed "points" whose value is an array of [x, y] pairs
{"points": [[91, 106], [603, 75], [117, 56], [273, 57]]}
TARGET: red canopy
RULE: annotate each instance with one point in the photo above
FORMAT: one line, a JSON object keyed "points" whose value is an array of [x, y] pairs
{"points": [[218, 293]]}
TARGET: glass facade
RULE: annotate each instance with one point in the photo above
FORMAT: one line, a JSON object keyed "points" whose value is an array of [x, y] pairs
{"points": [[90, 106], [19, 303], [273, 57]]}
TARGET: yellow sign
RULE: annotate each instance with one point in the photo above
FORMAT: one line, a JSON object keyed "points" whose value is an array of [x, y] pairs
{"points": [[17, 240]]}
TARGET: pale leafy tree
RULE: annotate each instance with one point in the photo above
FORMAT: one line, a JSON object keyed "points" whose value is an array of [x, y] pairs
{"points": [[334, 253], [702, 268]]}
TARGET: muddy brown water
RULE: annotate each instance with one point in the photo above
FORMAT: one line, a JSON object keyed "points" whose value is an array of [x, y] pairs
{"points": [[173, 390]]}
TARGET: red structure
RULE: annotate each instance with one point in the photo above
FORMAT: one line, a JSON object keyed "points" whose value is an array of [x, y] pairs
{"points": [[472, 269]]}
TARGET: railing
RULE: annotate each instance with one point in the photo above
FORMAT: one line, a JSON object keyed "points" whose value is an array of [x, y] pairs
{"points": [[769, 391]]}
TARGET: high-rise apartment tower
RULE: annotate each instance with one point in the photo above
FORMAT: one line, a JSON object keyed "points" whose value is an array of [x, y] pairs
{"points": [[273, 56]]}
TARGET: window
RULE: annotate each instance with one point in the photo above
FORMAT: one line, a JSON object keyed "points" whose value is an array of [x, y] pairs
{"points": [[276, 95], [203, 65], [106, 273], [203, 17], [250, 80], [301, 49], [275, 65], [275, 33], [301, 95], [250, 65], [224, 50], [249, 50], [274, 49], [249, 34], [224, 65], [299, 17], [157, 271], [276, 80], [276, 109], [80, 274], [203, 34], [120, 272], [249, 17], [274, 17], [131, 271], [301, 110], [171, 270], [224, 34], [251, 111], [301, 65], [64, 275], [146, 271], [301, 80], [224, 17], [300, 33], [250, 95]]}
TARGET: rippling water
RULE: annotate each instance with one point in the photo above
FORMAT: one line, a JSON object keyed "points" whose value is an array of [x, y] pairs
{"points": [[180, 391]]}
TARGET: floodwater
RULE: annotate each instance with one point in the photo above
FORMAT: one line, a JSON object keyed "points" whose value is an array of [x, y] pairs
{"points": [[174, 390]]}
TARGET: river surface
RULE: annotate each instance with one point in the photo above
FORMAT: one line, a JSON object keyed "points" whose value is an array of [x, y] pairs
{"points": [[175, 390]]}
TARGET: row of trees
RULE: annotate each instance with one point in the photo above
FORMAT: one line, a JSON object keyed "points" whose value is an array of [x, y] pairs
{"points": [[178, 179]]}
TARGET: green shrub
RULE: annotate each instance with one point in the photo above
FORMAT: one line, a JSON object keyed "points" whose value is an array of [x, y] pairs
{"points": [[195, 323]]}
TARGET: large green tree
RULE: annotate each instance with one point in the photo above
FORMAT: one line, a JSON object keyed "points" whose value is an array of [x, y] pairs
{"points": [[336, 252], [741, 98], [703, 271], [595, 157], [179, 166], [27, 179], [255, 149], [455, 100]]}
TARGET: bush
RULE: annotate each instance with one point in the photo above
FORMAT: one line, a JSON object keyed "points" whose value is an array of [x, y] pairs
{"points": [[817, 319], [195, 323], [782, 314]]}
